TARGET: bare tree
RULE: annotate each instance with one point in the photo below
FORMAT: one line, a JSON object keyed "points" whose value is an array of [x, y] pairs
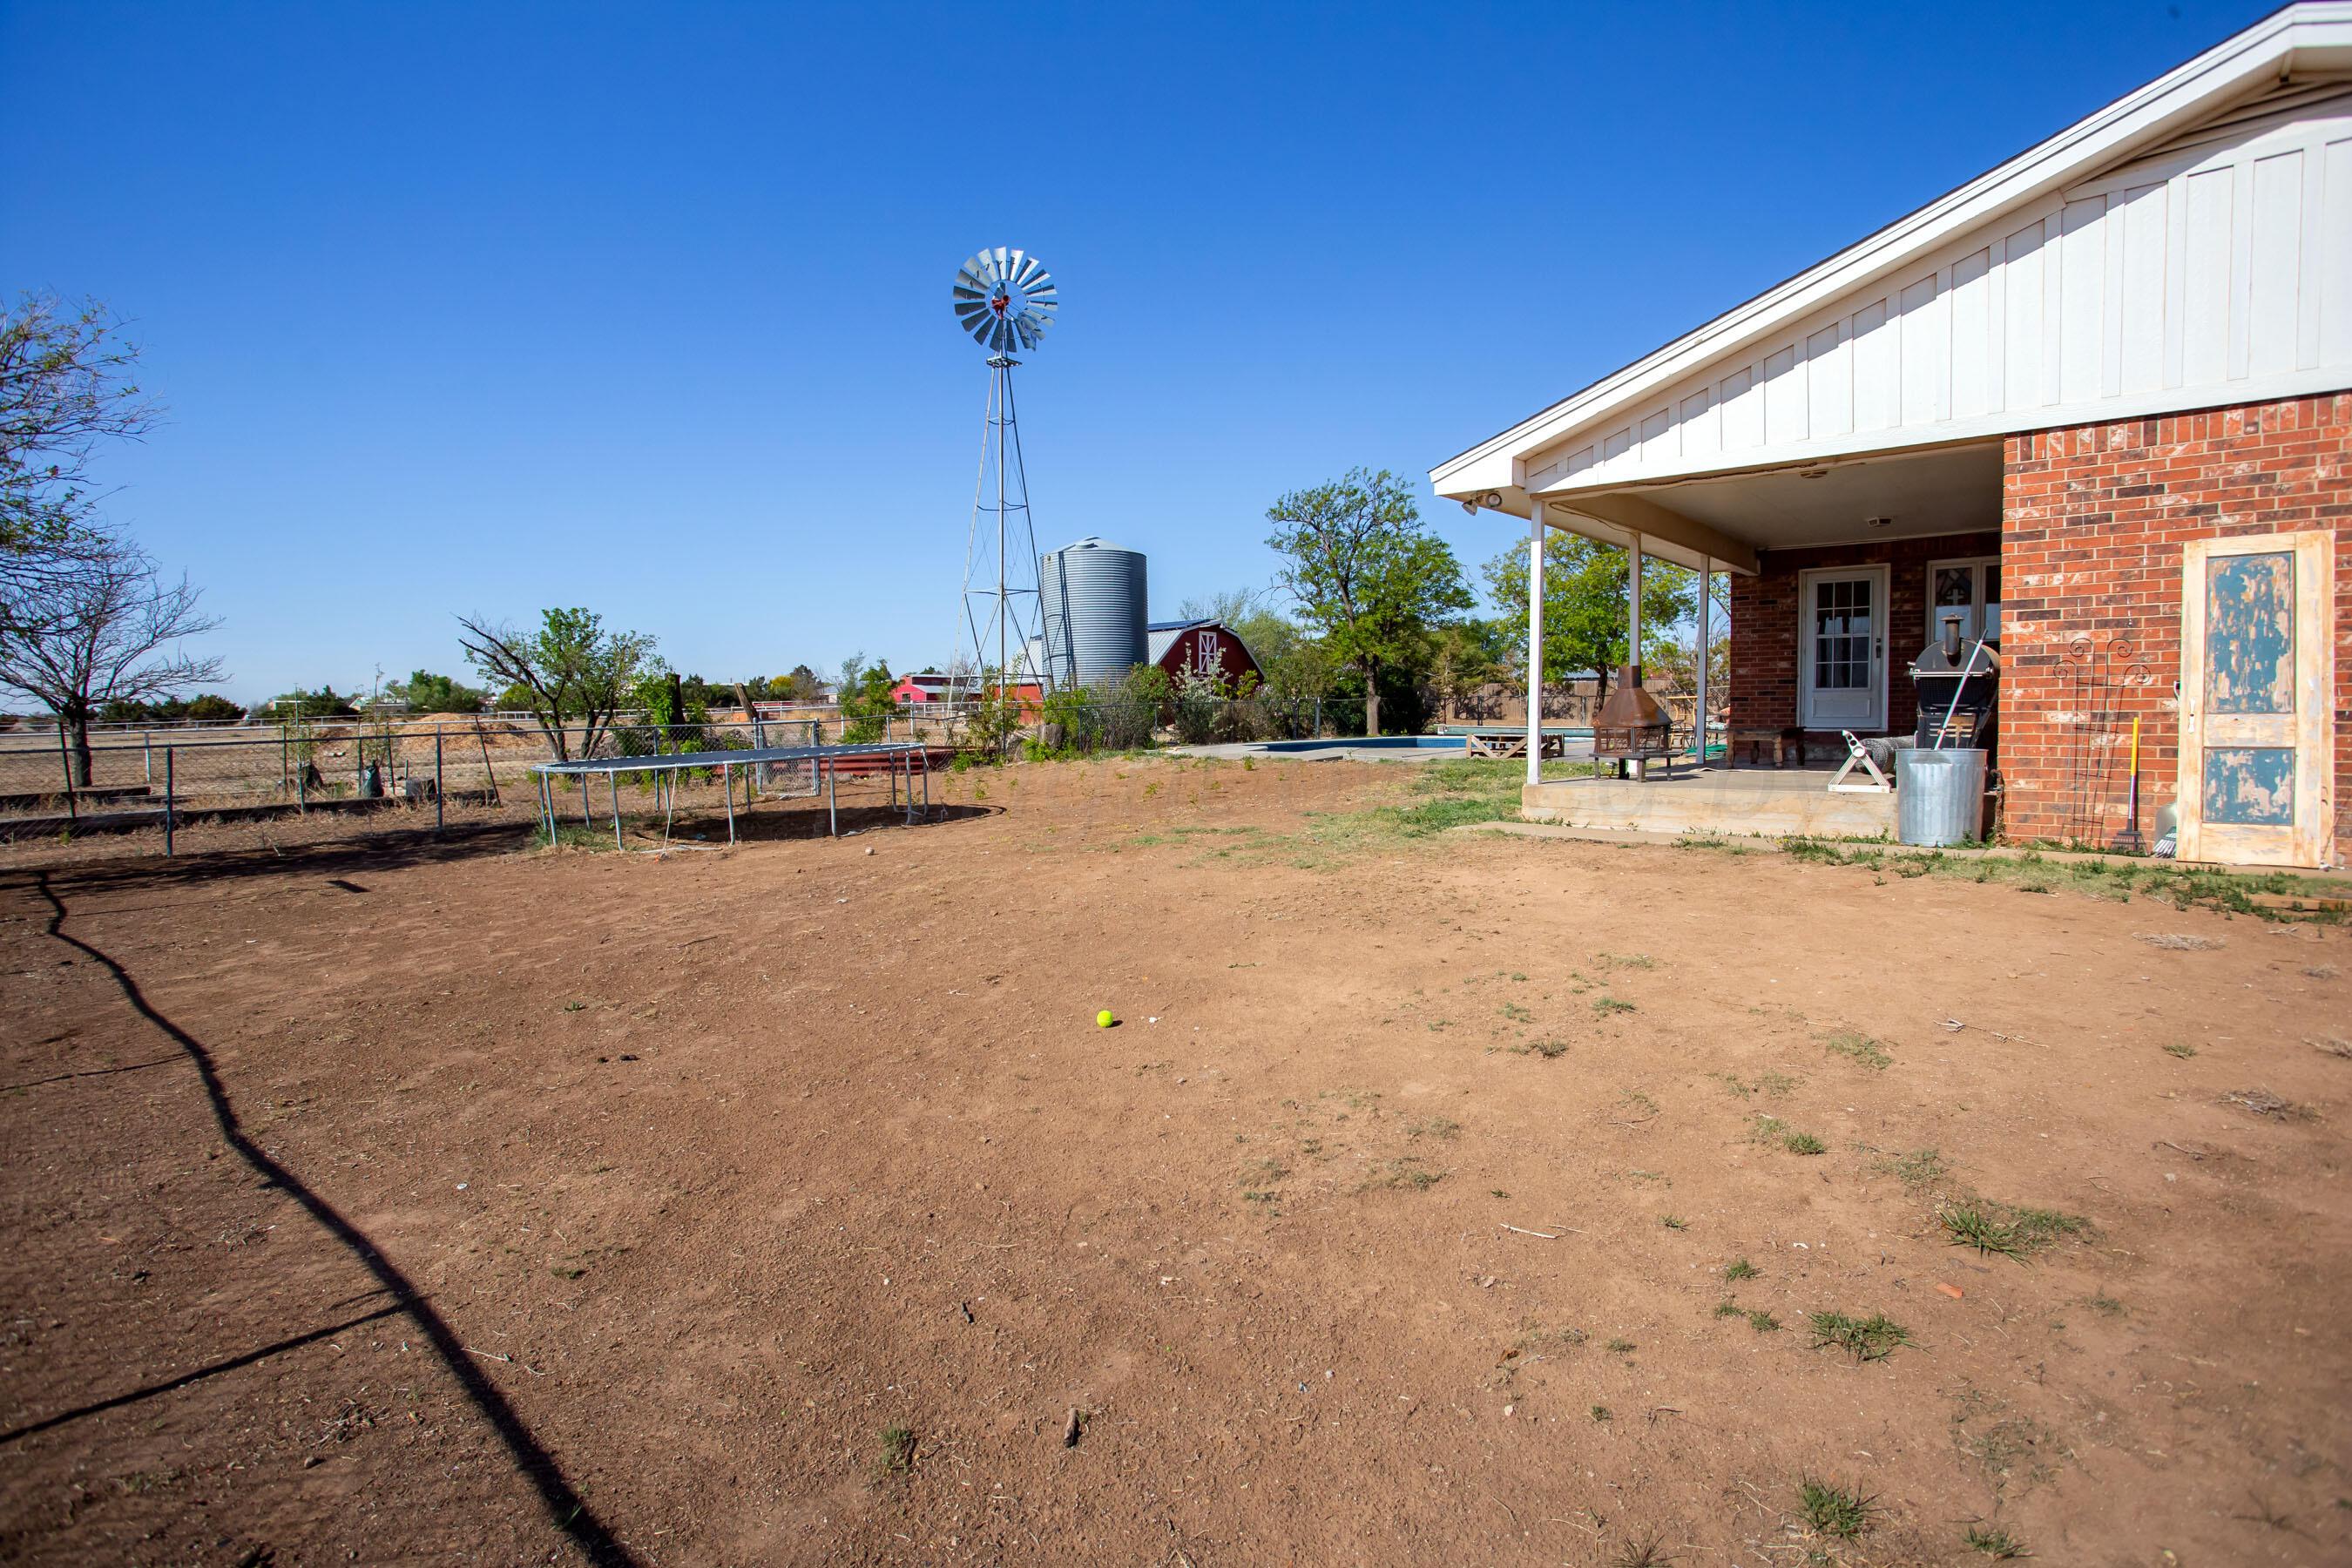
{"points": [[97, 630], [575, 671]]}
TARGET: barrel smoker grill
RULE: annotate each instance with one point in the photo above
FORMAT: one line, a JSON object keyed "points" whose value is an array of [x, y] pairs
{"points": [[1960, 691], [1632, 726]]}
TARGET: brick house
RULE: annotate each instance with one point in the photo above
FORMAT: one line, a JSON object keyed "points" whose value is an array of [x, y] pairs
{"points": [[2096, 404]]}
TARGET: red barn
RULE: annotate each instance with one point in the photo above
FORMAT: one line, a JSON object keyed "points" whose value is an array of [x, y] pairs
{"points": [[1202, 646]]}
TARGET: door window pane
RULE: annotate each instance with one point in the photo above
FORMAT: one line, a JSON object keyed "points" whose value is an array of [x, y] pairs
{"points": [[1842, 634], [2250, 634], [1968, 589]]}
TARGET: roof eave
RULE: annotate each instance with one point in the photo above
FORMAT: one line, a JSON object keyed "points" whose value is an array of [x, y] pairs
{"points": [[2310, 35]]}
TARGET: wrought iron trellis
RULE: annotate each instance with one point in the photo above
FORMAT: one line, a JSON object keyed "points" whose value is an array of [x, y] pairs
{"points": [[2097, 679]]}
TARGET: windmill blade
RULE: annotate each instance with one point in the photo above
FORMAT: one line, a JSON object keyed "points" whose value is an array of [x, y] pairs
{"points": [[1004, 297]]}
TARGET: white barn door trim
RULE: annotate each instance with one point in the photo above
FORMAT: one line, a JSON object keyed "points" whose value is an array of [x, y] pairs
{"points": [[2257, 689]]}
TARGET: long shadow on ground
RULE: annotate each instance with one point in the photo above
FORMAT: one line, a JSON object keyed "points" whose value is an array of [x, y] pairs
{"points": [[566, 1508]]}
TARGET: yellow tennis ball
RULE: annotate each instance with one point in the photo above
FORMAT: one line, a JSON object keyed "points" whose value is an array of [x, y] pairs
{"points": [[1103, 1020]]}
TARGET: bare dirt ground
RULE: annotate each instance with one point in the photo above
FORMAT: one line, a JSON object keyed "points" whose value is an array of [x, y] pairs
{"points": [[455, 1203]]}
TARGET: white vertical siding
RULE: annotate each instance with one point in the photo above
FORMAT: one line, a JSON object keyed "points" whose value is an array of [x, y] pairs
{"points": [[2336, 257], [2203, 273]]}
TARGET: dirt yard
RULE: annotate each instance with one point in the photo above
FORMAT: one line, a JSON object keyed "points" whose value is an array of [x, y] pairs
{"points": [[1438, 1197]]}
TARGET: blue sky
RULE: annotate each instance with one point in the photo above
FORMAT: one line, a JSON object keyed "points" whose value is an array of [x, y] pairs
{"points": [[487, 308]]}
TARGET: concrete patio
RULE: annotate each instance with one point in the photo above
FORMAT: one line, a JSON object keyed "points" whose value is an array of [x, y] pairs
{"points": [[1762, 801]]}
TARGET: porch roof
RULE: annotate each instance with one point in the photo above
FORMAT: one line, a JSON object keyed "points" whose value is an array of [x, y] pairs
{"points": [[1898, 346]]}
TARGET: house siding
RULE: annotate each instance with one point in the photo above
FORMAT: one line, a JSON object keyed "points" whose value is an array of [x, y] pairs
{"points": [[2093, 519]]}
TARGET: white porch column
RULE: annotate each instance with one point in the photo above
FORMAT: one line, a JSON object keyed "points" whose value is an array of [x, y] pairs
{"points": [[1705, 579], [1639, 769], [1535, 643]]}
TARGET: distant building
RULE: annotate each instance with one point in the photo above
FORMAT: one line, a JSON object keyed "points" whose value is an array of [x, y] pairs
{"points": [[935, 687], [1202, 646]]}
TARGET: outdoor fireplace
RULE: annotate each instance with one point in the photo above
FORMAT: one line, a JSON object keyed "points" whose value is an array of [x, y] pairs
{"points": [[1632, 726]]}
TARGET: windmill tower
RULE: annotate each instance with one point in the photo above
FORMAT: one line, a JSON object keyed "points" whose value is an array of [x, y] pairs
{"points": [[1005, 300]]}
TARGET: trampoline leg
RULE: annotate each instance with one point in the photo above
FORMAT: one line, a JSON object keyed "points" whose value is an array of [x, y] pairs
{"points": [[587, 812], [616, 811], [927, 787], [669, 809], [726, 775], [832, 816]]}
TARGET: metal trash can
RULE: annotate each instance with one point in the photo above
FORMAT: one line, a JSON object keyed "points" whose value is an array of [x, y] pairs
{"points": [[1938, 796]]}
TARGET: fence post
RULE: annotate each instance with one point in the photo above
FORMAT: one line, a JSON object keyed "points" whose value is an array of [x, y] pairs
{"points": [[438, 818], [168, 824]]}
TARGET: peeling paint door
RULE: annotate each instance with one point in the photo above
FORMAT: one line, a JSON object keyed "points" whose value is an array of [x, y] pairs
{"points": [[2256, 731]]}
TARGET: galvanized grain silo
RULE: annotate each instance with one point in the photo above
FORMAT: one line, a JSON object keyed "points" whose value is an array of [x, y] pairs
{"points": [[1093, 594]]}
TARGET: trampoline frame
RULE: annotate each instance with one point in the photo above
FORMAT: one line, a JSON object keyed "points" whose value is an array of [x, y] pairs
{"points": [[909, 758]]}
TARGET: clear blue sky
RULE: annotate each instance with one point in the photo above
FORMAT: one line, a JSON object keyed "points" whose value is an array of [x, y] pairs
{"points": [[487, 308]]}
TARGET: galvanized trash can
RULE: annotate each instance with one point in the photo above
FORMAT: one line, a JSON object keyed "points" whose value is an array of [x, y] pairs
{"points": [[1938, 796]]}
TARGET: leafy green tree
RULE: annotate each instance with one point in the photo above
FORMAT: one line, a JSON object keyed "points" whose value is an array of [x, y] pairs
{"points": [[302, 703], [1471, 654], [569, 671], [1294, 667], [425, 693], [1587, 585], [1367, 572], [208, 709]]}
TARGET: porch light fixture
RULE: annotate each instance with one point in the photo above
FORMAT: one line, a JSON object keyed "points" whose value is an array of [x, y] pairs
{"points": [[1491, 500]]}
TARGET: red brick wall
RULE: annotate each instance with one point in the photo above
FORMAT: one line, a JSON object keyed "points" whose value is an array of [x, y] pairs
{"points": [[2093, 519], [1764, 618]]}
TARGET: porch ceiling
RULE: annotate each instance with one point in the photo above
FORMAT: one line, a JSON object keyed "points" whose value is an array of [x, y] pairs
{"points": [[1944, 489]]}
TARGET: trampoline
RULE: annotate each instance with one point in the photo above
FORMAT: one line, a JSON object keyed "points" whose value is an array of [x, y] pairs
{"points": [[782, 768]]}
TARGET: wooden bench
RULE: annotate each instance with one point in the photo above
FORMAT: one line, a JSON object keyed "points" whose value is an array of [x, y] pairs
{"points": [[1783, 742]]}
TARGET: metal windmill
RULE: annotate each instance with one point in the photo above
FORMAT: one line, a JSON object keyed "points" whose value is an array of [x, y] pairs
{"points": [[1005, 300]]}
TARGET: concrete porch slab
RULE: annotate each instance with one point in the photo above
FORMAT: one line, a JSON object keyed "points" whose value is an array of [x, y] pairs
{"points": [[1766, 804]]}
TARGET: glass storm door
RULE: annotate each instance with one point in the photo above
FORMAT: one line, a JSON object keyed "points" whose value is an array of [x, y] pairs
{"points": [[2256, 731], [1842, 649]]}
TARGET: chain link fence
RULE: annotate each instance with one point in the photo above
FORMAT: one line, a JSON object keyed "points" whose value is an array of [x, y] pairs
{"points": [[188, 789]]}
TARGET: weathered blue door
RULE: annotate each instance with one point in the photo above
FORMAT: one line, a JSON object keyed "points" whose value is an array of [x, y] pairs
{"points": [[2256, 786]]}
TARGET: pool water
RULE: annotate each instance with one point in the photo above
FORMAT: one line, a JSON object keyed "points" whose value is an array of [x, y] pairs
{"points": [[1372, 743]]}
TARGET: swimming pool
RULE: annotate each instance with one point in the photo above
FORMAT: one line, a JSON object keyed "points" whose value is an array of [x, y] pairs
{"points": [[1371, 743]]}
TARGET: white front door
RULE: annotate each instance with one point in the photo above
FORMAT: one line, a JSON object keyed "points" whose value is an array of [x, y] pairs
{"points": [[1842, 649]]}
